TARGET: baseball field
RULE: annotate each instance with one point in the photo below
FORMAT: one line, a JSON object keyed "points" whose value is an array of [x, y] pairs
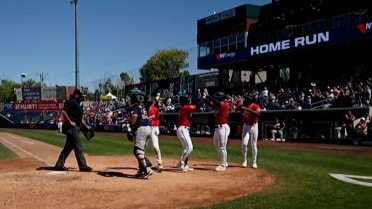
{"points": [[289, 175]]}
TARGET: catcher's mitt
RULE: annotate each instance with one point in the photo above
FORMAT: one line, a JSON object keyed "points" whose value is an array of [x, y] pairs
{"points": [[130, 136], [88, 133]]}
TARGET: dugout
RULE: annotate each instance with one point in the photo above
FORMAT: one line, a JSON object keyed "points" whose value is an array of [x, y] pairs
{"points": [[309, 125]]}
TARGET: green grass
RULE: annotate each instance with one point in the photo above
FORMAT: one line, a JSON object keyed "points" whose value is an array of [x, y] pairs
{"points": [[302, 177], [6, 153]]}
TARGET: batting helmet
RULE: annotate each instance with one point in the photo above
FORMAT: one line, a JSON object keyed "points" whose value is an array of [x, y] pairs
{"points": [[248, 99], [219, 95], [185, 100], [158, 102]]}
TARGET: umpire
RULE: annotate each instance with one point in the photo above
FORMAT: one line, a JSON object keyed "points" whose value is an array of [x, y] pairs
{"points": [[73, 113]]}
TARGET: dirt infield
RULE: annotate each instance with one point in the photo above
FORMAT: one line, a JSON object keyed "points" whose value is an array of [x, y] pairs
{"points": [[27, 182]]}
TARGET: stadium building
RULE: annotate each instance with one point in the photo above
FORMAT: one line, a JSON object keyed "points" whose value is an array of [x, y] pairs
{"points": [[287, 42]]}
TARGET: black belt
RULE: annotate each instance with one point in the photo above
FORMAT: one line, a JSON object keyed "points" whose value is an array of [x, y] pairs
{"points": [[218, 126]]}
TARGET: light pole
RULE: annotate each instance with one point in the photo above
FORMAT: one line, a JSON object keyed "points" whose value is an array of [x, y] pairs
{"points": [[23, 76], [77, 79]]}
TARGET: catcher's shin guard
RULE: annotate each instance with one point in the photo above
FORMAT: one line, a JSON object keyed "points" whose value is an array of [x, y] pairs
{"points": [[148, 162]]}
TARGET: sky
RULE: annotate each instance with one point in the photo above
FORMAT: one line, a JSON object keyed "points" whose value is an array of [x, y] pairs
{"points": [[37, 37]]}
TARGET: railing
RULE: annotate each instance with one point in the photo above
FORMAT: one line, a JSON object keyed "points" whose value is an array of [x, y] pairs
{"points": [[301, 125], [320, 104]]}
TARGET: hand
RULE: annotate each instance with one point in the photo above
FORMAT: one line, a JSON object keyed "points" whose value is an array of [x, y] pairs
{"points": [[72, 123], [206, 92]]}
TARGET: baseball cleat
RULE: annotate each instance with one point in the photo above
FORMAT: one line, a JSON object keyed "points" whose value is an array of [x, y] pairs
{"points": [[220, 168], [254, 165], [147, 174], [160, 168], [188, 168], [63, 168], [244, 164]]}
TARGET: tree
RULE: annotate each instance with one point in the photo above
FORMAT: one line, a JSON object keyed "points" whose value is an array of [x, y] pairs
{"points": [[107, 87], [30, 83], [164, 64], [7, 91], [126, 79]]}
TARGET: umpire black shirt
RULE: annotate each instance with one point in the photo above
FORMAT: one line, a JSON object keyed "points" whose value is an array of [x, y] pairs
{"points": [[74, 110]]}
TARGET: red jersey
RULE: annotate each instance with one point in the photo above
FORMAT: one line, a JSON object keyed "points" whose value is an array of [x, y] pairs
{"points": [[248, 117], [184, 117], [61, 119], [221, 116], [154, 111]]}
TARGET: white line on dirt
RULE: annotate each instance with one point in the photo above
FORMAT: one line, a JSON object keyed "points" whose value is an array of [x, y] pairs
{"points": [[56, 172], [23, 140], [27, 152]]}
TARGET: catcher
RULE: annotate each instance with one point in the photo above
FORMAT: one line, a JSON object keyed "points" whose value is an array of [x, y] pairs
{"points": [[139, 133]]}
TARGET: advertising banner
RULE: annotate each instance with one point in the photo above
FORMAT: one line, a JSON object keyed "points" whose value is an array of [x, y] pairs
{"points": [[31, 94], [206, 80], [48, 93], [61, 93], [38, 106], [18, 93]]}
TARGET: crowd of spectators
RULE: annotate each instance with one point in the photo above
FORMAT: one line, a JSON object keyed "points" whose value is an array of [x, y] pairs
{"points": [[353, 94], [356, 93]]}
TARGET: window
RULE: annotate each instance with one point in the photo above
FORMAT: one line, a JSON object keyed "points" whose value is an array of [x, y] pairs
{"points": [[205, 49]]}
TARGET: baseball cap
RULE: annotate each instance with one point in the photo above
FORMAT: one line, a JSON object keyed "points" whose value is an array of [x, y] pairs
{"points": [[77, 92]]}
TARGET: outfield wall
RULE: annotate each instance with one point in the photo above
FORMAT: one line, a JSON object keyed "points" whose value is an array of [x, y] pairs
{"points": [[325, 125]]}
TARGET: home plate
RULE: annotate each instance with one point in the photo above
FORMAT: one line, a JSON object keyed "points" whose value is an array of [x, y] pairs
{"points": [[56, 172]]}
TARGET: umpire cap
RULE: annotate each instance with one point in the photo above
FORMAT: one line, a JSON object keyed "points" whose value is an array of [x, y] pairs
{"points": [[77, 92]]}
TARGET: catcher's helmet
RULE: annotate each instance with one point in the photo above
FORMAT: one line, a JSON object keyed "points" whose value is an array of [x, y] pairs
{"points": [[219, 95], [185, 100], [136, 96]]}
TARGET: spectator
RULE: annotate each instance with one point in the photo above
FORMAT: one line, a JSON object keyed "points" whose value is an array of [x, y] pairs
{"points": [[361, 128], [349, 124], [277, 130]]}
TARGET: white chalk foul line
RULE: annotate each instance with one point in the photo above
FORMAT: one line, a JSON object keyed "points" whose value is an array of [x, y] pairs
{"points": [[27, 152], [56, 172], [23, 140]]}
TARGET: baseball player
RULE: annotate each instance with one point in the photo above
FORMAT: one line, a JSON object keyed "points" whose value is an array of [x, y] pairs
{"points": [[60, 121], [154, 117], [250, 115], [183, 131], [219, 103], [141, 133]]}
